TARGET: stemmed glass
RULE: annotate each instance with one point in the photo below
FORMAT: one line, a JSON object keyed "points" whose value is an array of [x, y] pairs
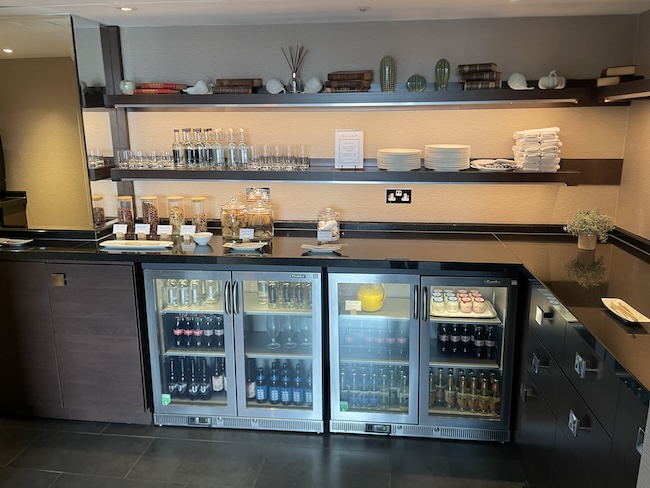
{"points": [[305, 329], [289, 328], [273, 330]]}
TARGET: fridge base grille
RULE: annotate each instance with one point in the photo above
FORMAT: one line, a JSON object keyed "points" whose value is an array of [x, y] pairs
{"points": [[288, 425], [434, 432]]}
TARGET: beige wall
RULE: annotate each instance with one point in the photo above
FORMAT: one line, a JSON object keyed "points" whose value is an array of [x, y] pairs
{"points": [[39, 124]]}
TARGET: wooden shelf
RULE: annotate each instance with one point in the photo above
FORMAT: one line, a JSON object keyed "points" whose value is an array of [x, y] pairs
{"points": [[625, 91]]}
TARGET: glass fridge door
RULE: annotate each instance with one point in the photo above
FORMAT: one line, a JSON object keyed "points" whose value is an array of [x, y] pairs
{"points": [[373, 348], [279, 342], [191, 342], [466, 352]]}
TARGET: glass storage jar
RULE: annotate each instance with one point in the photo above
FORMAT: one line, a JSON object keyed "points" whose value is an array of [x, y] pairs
{"points": [[328, 226], [125, 213], [260, 219], [233, 218], [257, 194], [199, 218], [150, 213], [176, 213], [99, 216]]}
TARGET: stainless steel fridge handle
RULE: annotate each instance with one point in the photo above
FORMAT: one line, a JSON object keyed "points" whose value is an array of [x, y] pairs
{"points": [[640, 438], [227, 298], [416, 305], [235, 298], [425, 303]]}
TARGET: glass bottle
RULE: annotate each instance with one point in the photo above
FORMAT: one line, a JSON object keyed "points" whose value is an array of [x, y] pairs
{"points": [[404, 393], [99, 216], [309, 389], [178, 152], [208, 148], [384, 392], [251, 383], [484, 397], [261, 387], [461, 394], [176, 213], [150, 213], [354, 392], [298, 390], [432, 388], [472, 396], [328, 226], [219, 152], [199, 219], [125, 213], [274, 387], [440, 388], [187, 148], [495, 398], [450, 391], [232, 151], [205, 390], [243, 150], [198, 150]]}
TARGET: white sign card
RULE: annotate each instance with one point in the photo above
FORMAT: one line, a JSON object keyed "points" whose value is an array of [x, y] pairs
{"points": [[164, 230], [349, 149], [188, 229]]}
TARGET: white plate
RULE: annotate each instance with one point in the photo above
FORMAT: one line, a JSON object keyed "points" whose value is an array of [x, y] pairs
{"points": [[14, 242], [136, 245], [323, 248], [244, 246], [623, 310]]}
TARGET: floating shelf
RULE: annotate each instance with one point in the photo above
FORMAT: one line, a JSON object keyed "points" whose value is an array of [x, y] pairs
{"points": [[625, 91]]}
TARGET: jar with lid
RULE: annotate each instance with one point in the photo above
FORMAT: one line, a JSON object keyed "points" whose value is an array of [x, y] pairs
{"points": [[99, 216], [150, 213], [233, 219], [328, 226], [199, 219], [260, 219], [257, 194], [176, 213], [125, 213]]}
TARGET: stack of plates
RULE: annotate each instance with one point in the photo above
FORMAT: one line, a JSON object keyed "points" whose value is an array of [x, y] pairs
{"points": [[446, 157], [399, 159]]}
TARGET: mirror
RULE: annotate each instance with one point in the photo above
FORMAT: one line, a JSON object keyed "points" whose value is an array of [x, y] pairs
{"points": [[42, 126]]}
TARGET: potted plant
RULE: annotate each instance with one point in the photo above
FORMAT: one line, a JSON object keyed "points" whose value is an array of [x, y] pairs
{"points": [[589, 226]]}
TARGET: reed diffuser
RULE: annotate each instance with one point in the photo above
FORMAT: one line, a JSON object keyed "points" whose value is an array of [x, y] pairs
{"points": [[295, 59]]}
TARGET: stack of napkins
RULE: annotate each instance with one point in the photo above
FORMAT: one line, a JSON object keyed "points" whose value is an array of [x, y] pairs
{"points": [[537, 149]]}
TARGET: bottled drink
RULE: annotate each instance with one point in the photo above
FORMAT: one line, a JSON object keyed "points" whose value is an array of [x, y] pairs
{"points": [[450, 391], [309, 389], [205, 389], [440, 388], [484, 397], [384, 393], [274, 299], [404, 394], [261, 388], [495, 398], [472, 397], [193, 387], [173, 298], [219, 152], [344, 391], [432, 388], [172, 378], [208, 150], [373, 397], [479, 342], [461, 393], [218, 333], [198, 333], [178, 332], [466, 340], [196, 151], [298, 391], [243, 150], [490, 343], [177, 151], [188, 155], [274, 387], [232, 152], [394, 386], [286, 393], [364, 391], [182, 378], [251, 385], [188, 332], [454, 339], [355, 391], [208, 332], [196, 292], [443, 338], [184, 292], [218, 380]]}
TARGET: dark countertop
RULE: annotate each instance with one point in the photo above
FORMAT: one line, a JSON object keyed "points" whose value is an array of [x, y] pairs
{"points": [[577, 278]]}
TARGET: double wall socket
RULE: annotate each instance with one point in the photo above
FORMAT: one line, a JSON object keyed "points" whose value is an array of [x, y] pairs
{"points": [[398, 196]]}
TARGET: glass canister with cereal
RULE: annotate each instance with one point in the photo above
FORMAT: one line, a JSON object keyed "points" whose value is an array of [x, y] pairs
{"points": [[125, 213], [260, 219], [99, 217], [176, 213], [233, 219], [150, 213], [199, 218]]}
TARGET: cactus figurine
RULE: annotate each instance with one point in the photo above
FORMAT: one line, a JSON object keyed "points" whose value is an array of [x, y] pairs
{"points": [[442, 75], [387, 74]]}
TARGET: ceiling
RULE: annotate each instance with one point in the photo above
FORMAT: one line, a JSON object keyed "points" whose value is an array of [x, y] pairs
{"points": [[236, 12]]}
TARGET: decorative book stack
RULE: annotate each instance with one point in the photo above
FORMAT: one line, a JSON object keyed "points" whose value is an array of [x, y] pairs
{"points": [[479, 76], [617, 74], [159, 89], [236, 85], [348, 81]]}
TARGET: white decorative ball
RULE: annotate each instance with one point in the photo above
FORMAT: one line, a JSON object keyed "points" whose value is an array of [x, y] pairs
{"points": [[313, 85], [275, 86]]}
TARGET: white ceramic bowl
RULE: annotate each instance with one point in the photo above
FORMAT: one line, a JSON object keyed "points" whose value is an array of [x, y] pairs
{"points": [[202, 238]]}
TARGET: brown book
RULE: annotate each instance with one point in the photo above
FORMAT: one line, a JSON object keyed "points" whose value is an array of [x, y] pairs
{"points": [[615, 80], [347, 83], [473, 68], [169, 86], [481, 76], [350, 75], [232, 89], [482, 85], [344, 89], [618, 70], [155, 91], [252, 82]]}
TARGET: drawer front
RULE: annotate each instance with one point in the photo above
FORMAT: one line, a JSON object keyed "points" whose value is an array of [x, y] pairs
{"points": [[591, 371], [543, 369], [546, 322], [585, 437]]}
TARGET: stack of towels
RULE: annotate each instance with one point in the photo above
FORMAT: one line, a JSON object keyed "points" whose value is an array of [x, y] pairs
{"points": [[537, 149]]}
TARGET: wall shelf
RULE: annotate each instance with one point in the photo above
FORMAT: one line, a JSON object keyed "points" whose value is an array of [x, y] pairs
{"points": [[625, 91]]}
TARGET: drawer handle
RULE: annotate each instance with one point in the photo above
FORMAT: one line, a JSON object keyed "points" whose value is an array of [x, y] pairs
{"points": [[574, 424], [58, 279], [640, 437], [540, 315], [525, 393], [536, 363], [580, 366]]}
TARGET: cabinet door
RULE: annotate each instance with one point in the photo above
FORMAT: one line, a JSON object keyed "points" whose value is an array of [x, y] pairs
{"points": [[546, 321], [544, 370], [28, 366], [96, 329]]}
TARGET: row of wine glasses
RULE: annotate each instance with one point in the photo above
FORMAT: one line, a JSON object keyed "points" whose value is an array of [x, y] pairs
{"points": [[276, 324]]}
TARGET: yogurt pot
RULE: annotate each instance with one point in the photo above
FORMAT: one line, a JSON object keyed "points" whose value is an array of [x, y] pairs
{"points": [[452, 305], [465, 304], [478, 305], [437, 305]]}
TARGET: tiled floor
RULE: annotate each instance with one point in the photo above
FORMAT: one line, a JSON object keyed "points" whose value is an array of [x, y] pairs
{"points": [[38, 453]]}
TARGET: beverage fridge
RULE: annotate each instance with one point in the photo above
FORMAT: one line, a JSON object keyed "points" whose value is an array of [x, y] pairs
{"points": [[238, 348], [424, 356]]}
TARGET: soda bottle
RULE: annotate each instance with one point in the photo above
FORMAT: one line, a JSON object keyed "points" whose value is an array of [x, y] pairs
{"points": [[495, 398], [178, 332], [309, 389], [394, 386], [205, 389], [440, 388], [461, 393], [384, 393], [490, 343], [274, 387], [193, 387], [484, 397], [218, 333], [472, 397], [466, 340], [443, 338], [364, 391], [298, 391], [454, 339], [355, 391], [182, 378], [262, 388], [188, 332], [286, 393], [172, 378], [218, 380], [432, 388], [198, 332], [479, 342], [373, 397], [450, 391], [344, 391], [177, 151], [208, 332], [404, 393], [251, 385]]}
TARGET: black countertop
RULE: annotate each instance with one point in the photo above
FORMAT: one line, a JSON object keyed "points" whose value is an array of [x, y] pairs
{"points": [[577, 278]]}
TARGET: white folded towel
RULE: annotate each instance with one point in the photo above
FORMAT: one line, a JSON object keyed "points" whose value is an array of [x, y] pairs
{"points": [[545, 132]]}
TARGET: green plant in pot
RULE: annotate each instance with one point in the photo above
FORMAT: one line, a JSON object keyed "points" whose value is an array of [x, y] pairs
{"points": [[589, 226]]}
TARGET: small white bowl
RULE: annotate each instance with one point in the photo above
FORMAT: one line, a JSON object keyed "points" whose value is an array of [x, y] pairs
{"points": [[202, 238]]}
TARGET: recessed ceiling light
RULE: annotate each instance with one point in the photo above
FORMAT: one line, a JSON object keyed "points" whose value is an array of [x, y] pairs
{"points": [[7, 50], [127, 9]]}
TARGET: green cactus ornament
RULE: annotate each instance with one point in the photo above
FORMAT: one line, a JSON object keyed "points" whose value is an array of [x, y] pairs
{"points": [[387, 74], [442, 75]]}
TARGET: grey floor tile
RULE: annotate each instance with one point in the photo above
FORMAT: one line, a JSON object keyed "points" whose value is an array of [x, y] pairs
{"points": [[86, 481], [55, 424], [419, 465], [26, 478], [201, 463], [482, 450], [487, 469], [155, 431], [94, 454], [359, 442], [13, 441], [410, 480]]}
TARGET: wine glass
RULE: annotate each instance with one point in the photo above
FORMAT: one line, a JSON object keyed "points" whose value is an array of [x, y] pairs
{"points": [[305, 329], [289, 328], [273, 330]]}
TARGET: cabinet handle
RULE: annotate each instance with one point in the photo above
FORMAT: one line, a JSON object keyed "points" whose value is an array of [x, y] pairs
{"points": [[235, 297], [227, 298], [540, 315], [580, 366], [425, 303], [640, 437], [525, 393], [574, 424], [416, 305], [537, 364]]}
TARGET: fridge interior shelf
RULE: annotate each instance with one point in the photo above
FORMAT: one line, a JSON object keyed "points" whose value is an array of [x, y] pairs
{"points": [[204, 308], [436, 358], [393, 309], [257, 347], [188, 351]]}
